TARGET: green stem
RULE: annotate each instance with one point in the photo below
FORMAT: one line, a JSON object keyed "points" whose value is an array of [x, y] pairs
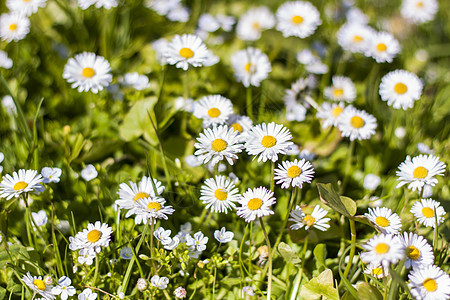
{"points": [[152, 229], [249, 103], [353, 249], [97, 264], [269, 284], [241, 263], [283, 227], [348, 165], [186, 85], [300, 274]]}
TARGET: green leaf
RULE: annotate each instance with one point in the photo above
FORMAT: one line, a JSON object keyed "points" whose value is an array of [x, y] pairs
{"points": [[79, 144], [349, 204], [2, 293], [366, 291], [136, 122], [342, 205], [320, 253], [288, 254], [320, 287]]}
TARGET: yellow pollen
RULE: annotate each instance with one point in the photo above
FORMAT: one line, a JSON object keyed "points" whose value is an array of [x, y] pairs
{"points": [[20, 185], [219, 145], [382, 248], [309, 220], [88, 72], [140, 195], [338, 92], [357, 122], [268, 141], [40, 284], [186, 53], [420, 172], [381, 47], [357, 39], [13, 27], [213, 112], [237, 127], [220, 194], [254, 203], [430, 284], [413, 253], [377, 271], [337, 111], [382, 221], [400, 88], [94, 235], [294, 171], [428, 212], [154, 206], [249, 68], [297, 20]]}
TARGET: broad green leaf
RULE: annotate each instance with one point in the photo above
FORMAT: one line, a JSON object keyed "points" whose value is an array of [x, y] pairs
{"points": [[329, 196], [366, 291], [288, 254], [79, 144], [349, 204], [320, 253], [137, 122], [320, 287], [2, 293]]}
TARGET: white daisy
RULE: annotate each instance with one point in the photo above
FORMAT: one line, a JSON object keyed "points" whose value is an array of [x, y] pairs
{"points": [[427, 211], [219, 194], [50, 174], [383, 249], [315, 219], [88, 72], [5, 61], [419, 253], [25, 7], [429, 283], [294, 173], [342, 89], [376, 271], [130, 194], [186, 50], [93, 238], [149, 209], [198, 242], [298, 91], [37, 285], [256, 203], [330, 113], [226, 22], [162, 7], [64, 288], [24, 181], [241, 124], [223, 236], [266, 141], [419, 11], [217, 144], [251, 66], [420, 171], [159, 282], [384, 219], [214, 110], [400, 89], [136, 81], [383, 47], [207, 22], [13, 27], [253, 22], [297, 18], [107, 4], [179, 13], [356, 124], [355, 37]]}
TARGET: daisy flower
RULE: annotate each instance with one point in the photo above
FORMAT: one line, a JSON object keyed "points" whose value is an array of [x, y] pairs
{"points": [[294, 173], [383, 249], [298, 91], [315, 219], [37, 285], [88, 72], [376, 271], [356, 124], [214, 110], [419, 11], [149, 209], [5, 61], [427, 211], [219, 194], [64, 288], [107, 4], [251, 66], [384, 220], [297, 18], [223, 236], [130, 194], [13, 27], [420, 171], [22, 182], [383, 47], [330, 113], [355, 37], [186, 50], [266, 141], [198, 242], [429, 283], [241, 124], [342, 89], [400, 89], [419, 253], [253, 22], [25, 7], [256, 203], [93, 238], [217, 144]]}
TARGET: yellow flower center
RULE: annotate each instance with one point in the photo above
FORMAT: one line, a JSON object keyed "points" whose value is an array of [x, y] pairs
{"points": [[382, 248], [377, 271], [297, 20], [420, 172], [249, 68], [430, 284], [13, 27], [256, 25], [357, 122], [357, 39], [220, 194], [338, 92], [20, 185], [268, 141], [428, 212], [381, 47], [294, 171], [88, 72], [154, 206], [213, 112], [337, 111], [400, 88], [413, 253], [219, 145], [40, 284], [254, 203], [419, 4], [186, 53], [94, 235], [238, 127], [382, 221], [309, 220], [140, 195]]}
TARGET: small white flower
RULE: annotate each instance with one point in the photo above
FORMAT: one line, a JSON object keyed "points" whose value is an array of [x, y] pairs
{"points": [[8, 104], [198, 242], [315, 219], [50, 174], [179, 13], [383, 249], [294, 173], [330, 113], [180, 293], [355, 37], [107, 4], [256, 203], [219, 194], [251, 66], [429, 283], [385, 220], [356, 124], [427, 191], [121, 295], [419, 11], [223, 236], [419, 253], [427, 211], [162, 235], [296, 112], [355, 15], [25, 7], [253, 22], [160, 46], [400, 89], [159, 282], [87, 294], [383, 47], [186, 50], [86, 256], [343, 89], [297, 18], [400, 132], [241, 124], [48, 280], [40, 218], [5, 61], [213, 110], [126, 253], [162, 7], [141, 284], [371, 182], [136, 81], [249, 291], [13, 27], [64, 288], [37, 285], [376, 271], [423, 148], [24, 181], [194, 161], [89, 173], [171, 243], [94, 237]]}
